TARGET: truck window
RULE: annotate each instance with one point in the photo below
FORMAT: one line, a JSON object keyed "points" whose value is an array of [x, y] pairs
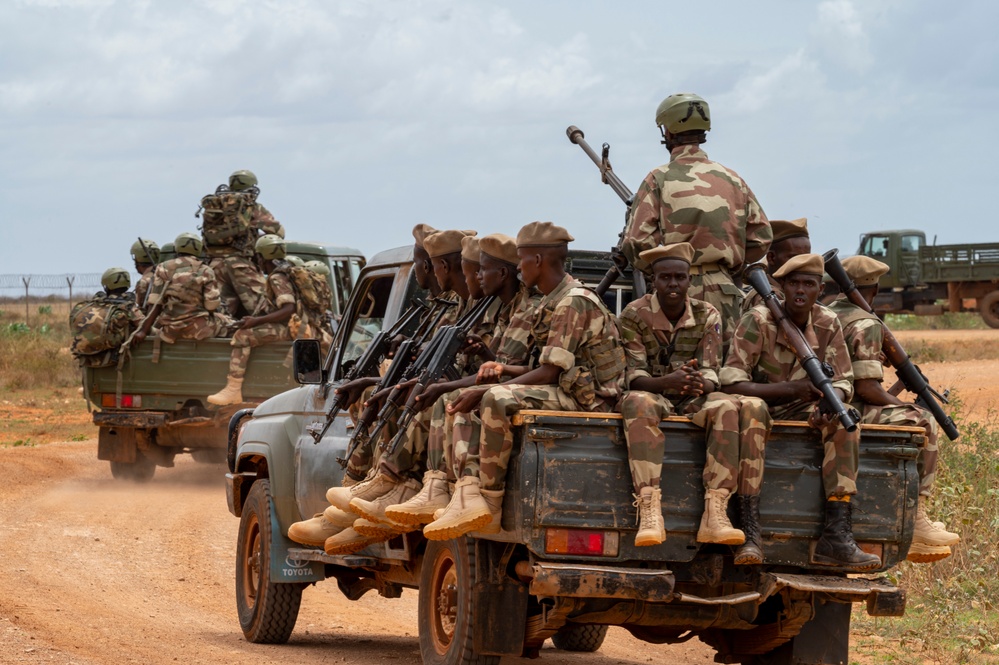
{"points": [[371, 305], [911, 243], [875, 246]]}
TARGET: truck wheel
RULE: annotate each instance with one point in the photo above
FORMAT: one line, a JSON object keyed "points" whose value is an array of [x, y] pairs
{"points": [[139, 471], [445, 604], [989, 308], [267, 610], [579, 637]]}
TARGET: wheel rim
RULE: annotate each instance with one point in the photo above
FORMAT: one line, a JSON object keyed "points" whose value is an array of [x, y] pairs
{"points": [[444, 592], [251, 562]]}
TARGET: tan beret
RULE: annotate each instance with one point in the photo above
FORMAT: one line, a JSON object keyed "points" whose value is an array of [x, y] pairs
{"points": [[784, 230], [500, 247], [444, 242], [682, 251], [810, 264], [421, 231], [470, 249], [542, 234], [863, 270]]}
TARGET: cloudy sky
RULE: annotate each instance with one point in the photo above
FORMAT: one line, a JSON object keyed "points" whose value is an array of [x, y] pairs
{"points": [[362, 118]]}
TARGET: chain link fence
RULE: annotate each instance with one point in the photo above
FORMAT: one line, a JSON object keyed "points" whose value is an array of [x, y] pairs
{"points": [[36, 289]]}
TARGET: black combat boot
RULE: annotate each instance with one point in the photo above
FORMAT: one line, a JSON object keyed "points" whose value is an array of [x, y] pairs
{"points": [[750, 553], [836, 546]]}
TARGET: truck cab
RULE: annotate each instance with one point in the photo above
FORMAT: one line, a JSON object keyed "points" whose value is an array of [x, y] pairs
{"points": [[898, 249]]}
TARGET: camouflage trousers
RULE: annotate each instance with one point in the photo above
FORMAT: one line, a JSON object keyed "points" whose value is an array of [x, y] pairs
{"points": [[735, 441], [249, 338], [241, 284], [441, 455], [912, 416], [211, 324], [368, 454], [641, 413], [409, 457], [718, 289]]}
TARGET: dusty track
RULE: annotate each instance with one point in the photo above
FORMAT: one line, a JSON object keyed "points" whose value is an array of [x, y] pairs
{"points": [[95, 571]]}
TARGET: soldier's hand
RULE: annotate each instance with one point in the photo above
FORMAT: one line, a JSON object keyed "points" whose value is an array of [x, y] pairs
{"points": [[819, 418], [490, 372], [467, 401], [473, 344], [248, 322], [138, 337], [430, 395], [803, 390]]}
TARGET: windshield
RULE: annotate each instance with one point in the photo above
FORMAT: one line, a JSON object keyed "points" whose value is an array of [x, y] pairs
{"points": [[875, 246]]}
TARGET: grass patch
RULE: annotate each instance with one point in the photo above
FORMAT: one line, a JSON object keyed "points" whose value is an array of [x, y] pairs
{"points": [[35, 354], [946, 321]]}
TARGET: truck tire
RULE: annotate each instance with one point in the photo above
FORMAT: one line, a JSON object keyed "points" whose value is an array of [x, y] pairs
{"points": [[267, 610], [139, 471], [445, 604], [579, 637], [988, 306]]}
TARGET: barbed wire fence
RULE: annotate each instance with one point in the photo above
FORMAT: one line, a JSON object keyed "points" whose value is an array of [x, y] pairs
{"points": [[33, 288]]}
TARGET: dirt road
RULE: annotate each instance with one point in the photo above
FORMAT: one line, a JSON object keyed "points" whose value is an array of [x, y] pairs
{"points": [[98, 571]]}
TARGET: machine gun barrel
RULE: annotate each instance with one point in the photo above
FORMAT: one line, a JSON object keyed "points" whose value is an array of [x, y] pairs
{"points": [[819, 373], [908, 373]]}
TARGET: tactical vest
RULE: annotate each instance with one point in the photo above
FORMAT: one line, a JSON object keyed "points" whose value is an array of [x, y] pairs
{"points": [[605, 357], [680, 349]]}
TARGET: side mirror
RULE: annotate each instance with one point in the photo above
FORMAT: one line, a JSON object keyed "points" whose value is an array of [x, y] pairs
{"points": [[307, 362]]}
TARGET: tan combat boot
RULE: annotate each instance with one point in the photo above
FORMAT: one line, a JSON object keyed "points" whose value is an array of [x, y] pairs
{"points": [[379, 531], [715, 525], [348, 541], [231, 394], [340, 518], [930, 540], [371, 488], [651, 525], [466, 512], [374, 509], [421, 508], [313, 532], [494, 499]]}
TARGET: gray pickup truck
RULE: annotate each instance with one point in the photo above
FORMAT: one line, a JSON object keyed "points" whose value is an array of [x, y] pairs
{"points": [[156, 408], [564, 565]]}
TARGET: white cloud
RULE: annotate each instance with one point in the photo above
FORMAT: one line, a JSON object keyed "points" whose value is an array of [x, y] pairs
{"points": [[840, 31]]}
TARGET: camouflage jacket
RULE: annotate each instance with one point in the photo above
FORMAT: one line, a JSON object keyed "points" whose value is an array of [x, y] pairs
{"points": [[585, 344], [514, 341], [753, 298], [484, 329], [759, 353], [656, 348], [186, 289], [280, 292], [692, 199], [141, 288], [864, 334]]}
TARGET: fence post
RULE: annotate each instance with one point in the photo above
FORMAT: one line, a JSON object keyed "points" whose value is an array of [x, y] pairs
{"points": [[27, 307], [69, 280]]}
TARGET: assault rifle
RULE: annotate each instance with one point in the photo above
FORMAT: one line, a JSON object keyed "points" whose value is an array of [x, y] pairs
{"points": [[908, 373], [452, 340], [608, 177], [400, 361], [819, 373], [366, 365]]}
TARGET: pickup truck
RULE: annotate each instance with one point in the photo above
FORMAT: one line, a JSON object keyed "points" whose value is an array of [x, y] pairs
{"points": [[564, 565], [965, 276], [162, 410]]}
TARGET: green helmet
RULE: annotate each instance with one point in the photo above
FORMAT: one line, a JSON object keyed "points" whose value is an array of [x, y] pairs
{"points": [[242, 179], [116, 278], [271, 246], [683, 112], [139, 254], [318, 267], [294, 260], [188, 243]]}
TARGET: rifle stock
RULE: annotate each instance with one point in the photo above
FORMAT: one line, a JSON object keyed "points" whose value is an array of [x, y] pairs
{"points": [[908, 373], [819, 373]]}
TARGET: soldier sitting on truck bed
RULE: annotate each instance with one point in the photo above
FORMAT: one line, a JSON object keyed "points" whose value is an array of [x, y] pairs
{"points": [[790, 240], [581, 367], [101, 325], [184, 297], [763, 368], [864, 334], [268, 324], [145, 254]]}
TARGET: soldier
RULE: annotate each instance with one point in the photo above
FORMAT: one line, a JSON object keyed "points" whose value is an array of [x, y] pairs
{"points": [[145, 254], [242, 284], [423, 269], [321, 322], [692, 199], [763, 368], [266, 325], [581, 367], [444, 250], [864, 334], [102, 324], [184, 297], [790, 240]]}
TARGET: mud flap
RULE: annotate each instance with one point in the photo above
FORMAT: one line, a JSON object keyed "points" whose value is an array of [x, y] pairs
{"points": [[283, 567], [826, 638], [116, 445], [501, 618]]}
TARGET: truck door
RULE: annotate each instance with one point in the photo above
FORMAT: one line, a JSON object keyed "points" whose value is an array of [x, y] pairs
{"points": [[908, 258], [879, 246]]}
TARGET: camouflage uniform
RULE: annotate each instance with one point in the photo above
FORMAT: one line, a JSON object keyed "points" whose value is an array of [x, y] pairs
{"points": [[141, 288], [761, 354], [240, 281], [278, 293], [864, 333], [655, 348], [584, 342], [692, 199], [186, 290], [90, 328]]}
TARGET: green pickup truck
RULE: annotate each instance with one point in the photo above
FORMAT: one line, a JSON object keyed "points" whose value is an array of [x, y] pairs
{"points": [[965, 277], [156, 407], [564, 565]]}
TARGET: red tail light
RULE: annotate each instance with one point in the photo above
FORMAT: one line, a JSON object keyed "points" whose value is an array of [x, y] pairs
{"points": [[583, 542], [127, 401]]}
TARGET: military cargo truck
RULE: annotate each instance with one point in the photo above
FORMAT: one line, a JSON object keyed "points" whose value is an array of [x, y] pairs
{"points": [[156, 406], [931, 279], [564, 565]]}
